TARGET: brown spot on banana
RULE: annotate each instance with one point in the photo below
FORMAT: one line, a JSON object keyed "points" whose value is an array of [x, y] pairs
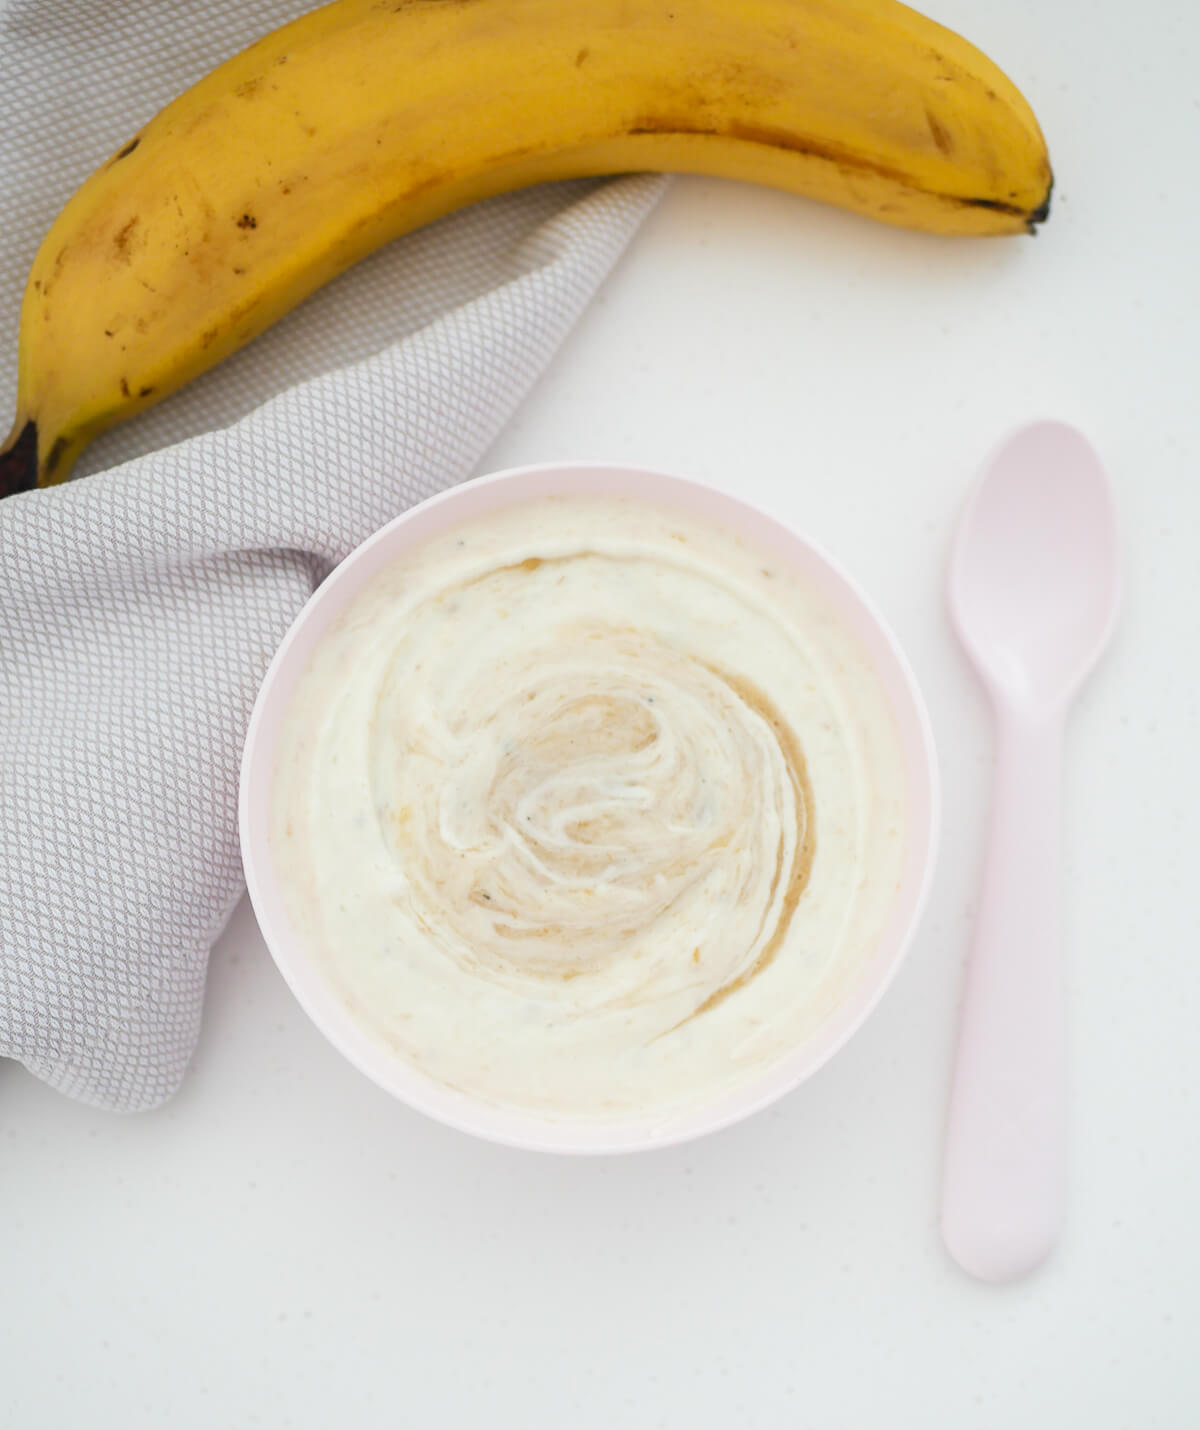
{"points": [[127, 391], [55, 455], [942, 137], [123, 242], [48, 283]]}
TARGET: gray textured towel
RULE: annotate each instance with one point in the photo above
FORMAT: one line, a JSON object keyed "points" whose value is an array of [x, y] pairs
{"points": [[139, 608]]}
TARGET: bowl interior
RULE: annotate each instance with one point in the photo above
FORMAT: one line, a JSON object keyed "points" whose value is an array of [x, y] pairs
{"points": [[474, 499]]}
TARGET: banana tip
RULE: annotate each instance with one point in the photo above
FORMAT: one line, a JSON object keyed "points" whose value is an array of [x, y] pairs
{"points": [[1042, 212]]}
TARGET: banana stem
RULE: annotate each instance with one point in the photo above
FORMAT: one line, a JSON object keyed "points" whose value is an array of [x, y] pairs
{"points": [[18, 462]]}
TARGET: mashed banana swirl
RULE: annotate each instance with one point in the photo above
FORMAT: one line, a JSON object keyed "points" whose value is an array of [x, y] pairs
{"points": [[588, 808]]}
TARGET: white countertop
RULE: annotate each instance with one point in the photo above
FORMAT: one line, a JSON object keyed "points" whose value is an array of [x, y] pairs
{"points": [[283, 1245]]}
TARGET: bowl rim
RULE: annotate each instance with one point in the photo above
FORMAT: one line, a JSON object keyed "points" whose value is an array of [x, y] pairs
{"points": [[514, 1127]]}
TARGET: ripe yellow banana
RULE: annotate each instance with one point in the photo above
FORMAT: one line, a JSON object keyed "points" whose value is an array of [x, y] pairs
{"points": [[363, 120]]}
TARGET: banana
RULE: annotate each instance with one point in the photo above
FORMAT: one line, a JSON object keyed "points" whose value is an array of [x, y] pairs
{"points": [[363, 120]]}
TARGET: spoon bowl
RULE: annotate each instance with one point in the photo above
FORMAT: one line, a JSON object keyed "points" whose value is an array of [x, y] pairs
{"points": [[1033, 586]]}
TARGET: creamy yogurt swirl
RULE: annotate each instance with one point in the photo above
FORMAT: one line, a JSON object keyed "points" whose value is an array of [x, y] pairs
{"points": [[588, 808]]}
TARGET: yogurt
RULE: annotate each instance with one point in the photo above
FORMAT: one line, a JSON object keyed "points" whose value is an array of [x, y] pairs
{"points": [[589, 808]]}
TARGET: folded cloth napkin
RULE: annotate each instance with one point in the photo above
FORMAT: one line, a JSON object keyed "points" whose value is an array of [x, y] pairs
{"points": [[139, 607]]}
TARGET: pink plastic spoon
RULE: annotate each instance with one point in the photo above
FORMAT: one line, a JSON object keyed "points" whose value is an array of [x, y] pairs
{"points": [[1033, 596]]}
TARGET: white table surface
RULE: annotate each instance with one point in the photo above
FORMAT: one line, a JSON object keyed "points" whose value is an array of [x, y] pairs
{"points": [[283, 1245]]}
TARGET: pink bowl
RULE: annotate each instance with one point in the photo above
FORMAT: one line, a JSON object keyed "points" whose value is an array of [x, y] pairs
{"points": [[317, 996]]}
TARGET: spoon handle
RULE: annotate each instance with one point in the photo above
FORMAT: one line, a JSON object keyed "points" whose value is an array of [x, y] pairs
{"points": [[1004, 1188]]}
